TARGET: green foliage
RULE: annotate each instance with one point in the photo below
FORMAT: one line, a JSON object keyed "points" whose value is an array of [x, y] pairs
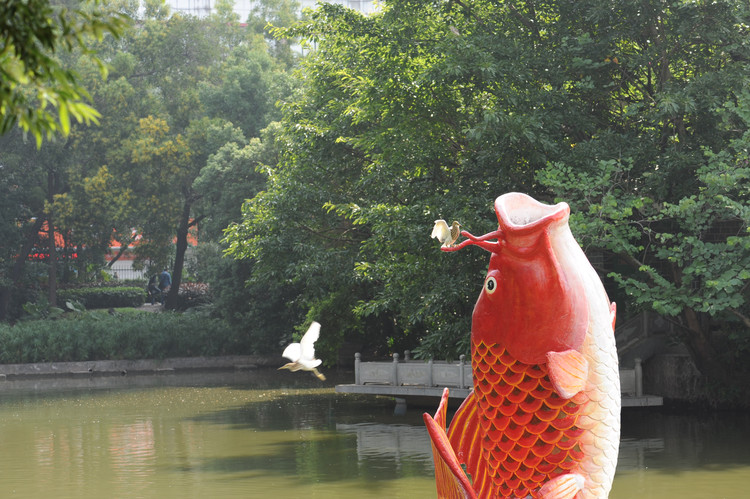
{"points": [[106, 336], [269, 14], [387, 135], [37, 91], [104, 297], [192, 295], [656, 172], [263, 312], [245, 90], [41, 310], [631, 112], [174, 84]]}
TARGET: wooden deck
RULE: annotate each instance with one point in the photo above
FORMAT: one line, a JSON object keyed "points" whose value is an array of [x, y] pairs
{"points": [[410, 378]]}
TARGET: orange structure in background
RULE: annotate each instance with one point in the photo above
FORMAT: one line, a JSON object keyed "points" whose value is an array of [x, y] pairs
{"points": [[40, 252], [115, 245]]}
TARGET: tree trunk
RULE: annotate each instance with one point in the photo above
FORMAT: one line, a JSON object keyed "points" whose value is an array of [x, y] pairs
{"points": [[179, 259], [17, 270], [702, 350]]}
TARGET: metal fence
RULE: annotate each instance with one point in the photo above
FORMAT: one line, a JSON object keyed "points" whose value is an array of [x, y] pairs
{"points": [[125, 274]]}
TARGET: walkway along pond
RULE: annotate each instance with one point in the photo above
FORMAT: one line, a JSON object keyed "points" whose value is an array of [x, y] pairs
{"points": [[123, 367]]}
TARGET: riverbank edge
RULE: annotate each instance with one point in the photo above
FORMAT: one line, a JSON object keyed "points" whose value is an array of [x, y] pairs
{"points": [[140, 366]]}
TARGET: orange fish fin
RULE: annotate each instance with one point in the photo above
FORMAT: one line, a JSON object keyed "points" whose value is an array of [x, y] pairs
{"points": [[465, 437], [451, 481], [613, 313], [562, 487], [568, 372]]}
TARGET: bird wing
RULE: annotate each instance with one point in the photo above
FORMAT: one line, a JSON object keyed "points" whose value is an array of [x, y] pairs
{"points": [[310, 363], [293, 352], [307, 343], [440, 230]]}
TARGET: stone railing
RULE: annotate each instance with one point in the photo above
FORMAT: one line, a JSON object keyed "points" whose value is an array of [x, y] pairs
{"points": [[409, 372], [431, 373]]}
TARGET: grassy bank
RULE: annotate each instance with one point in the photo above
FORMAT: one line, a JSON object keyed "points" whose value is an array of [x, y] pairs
{"points": [[101, 335]]}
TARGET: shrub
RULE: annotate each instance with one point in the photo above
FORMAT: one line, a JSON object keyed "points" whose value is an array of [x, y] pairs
{"points": [[192, 294], [99, 335], [104, 297]]}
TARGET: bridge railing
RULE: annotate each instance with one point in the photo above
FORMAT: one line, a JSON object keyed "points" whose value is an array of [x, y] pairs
{"points": [[451, 374], [407, 372]]}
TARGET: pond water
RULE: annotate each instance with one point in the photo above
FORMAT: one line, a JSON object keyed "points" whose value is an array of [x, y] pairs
{"points": [[243, 434]]}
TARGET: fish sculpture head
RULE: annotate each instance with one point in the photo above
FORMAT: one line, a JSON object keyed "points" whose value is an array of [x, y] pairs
{"points": [[531, 302]]}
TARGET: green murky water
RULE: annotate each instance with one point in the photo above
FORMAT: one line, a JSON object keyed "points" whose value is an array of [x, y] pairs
{"points": [[242, 435]]}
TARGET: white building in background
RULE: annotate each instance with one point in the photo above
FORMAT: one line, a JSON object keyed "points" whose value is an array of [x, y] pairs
{"points": [[201, 8]]}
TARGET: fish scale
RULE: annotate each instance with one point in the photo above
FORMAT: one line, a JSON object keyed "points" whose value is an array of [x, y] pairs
{"points": [[530, 432]]}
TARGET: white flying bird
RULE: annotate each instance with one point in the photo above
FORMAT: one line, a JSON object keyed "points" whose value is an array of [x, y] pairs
{"points": [[302, 354], [444, 234]]}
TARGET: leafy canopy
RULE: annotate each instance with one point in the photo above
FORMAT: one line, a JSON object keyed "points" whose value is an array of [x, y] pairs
{"points": [[631, 112], [37, 90]]}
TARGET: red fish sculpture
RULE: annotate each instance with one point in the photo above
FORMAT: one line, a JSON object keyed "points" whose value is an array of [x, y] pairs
{"points": [[543, 419]]}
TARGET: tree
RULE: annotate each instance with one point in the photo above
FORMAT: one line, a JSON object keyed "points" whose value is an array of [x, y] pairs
{"points": [[173, 83], [633, 113], [244, 90], [374, 150], [265, 17], [22, 205], [656, 175], [232, 175], [37, 91], [182, 106], [41, 95], [32, 177]]}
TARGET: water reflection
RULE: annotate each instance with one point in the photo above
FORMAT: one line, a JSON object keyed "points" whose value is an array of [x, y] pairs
{"points": [[633, 452], [670, 454], [132, 448], [246, 436], [391, 447]]}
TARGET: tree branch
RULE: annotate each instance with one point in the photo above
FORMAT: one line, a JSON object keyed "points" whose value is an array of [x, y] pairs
{"points": [[529, 24], [745, 319], [630, 260], [196, 220]]}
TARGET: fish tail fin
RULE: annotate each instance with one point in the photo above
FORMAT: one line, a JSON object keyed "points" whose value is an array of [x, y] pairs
{"points": [[450, 479]]}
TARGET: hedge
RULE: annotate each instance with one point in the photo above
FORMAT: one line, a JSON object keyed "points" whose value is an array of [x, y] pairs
{"points": [[104, 297], [99, 335]]}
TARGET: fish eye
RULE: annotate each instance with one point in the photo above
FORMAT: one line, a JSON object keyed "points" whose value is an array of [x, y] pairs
{"points": [[490, 285]]}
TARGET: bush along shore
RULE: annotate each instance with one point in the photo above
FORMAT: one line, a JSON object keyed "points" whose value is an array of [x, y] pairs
{"points": [[113, 335], [104, 297]]}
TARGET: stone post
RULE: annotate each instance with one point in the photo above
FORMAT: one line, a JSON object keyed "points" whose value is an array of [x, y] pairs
{"points": [[394, 377]]}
